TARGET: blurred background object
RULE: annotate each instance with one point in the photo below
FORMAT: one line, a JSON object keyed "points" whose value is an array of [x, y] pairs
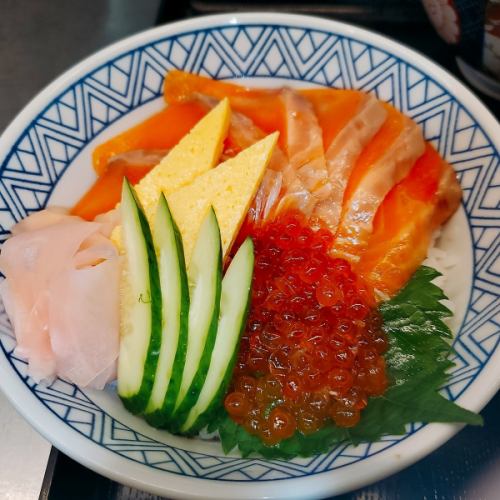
{"points": [[472, 29], [466, 40]]}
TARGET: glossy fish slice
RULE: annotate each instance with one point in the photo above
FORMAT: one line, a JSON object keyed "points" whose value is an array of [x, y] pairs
{"points": [[264, 107], [384, 162], [334, 109], [304, 144], [345, 148], [405, 221], [155, 132], [106, 191]]}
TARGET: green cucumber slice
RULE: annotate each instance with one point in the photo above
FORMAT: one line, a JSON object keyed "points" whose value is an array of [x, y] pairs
{"points": [[175, 310], [140, 307], [235, 301], [205, 277]]}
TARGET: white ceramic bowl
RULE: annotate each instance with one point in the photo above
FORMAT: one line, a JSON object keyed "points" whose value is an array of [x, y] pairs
{"points": [[45, 159]]}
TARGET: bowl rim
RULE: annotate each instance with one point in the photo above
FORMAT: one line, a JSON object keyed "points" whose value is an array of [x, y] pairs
{"points": [[92, 455], [102, 55]]}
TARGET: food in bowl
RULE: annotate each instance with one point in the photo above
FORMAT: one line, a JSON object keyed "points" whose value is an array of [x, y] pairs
{"points": [[249, 262]]}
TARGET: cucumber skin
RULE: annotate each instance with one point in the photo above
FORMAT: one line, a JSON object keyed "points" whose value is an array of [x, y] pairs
{"points": [[194, 390], [138, 402], [160, 418], [216, 404]]}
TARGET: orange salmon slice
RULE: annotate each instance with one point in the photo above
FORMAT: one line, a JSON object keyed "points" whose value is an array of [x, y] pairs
{"points": [[334, 109], [304, 143], [384, 162], [163, 130], [263, 107], [357, 127], [405, 221], [105, 193]]}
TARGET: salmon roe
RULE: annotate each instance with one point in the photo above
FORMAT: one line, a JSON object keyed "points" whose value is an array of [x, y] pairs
{"points": [[313, 345]]}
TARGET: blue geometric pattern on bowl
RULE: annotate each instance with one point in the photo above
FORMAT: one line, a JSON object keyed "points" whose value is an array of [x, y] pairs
{"points": [[53, 140]]}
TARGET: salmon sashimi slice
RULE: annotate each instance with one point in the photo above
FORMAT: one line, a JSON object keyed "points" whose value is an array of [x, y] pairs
{"points": [[304, 144], [103, 196], [449, 194], [305, 178], [405, 221], [345, 148], [263, 106], [334, 108], [281, 182], [181, 86], [105, 193], [137, 163], [242, 134], [383, 163], [156, 132]]}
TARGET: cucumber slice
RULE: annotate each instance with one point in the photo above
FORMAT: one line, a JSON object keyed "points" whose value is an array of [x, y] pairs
{"points": [[205, 277], [175, 310], [235, 301], [140, 307]]}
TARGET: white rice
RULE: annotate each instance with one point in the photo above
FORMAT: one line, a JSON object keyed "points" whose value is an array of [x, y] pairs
{"points": [[444, 262]]}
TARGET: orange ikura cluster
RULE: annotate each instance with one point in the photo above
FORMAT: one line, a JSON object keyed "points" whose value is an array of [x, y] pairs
{"points": [[313, 345]]}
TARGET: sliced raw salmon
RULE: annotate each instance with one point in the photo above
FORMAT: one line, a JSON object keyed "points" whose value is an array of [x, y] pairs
{"points": [[405, 221], [385, 161], [345, 146], [334, 109], [449, 194], [242, 134], [304, 144], [163, 130], [106, 191], [263, 106]]}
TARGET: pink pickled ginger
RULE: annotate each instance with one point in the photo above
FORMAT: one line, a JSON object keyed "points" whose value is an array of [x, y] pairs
{"points": [[61, 293]]}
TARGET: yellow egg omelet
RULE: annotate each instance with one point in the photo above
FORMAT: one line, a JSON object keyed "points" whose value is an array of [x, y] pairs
{"points": [[229, 189], [195, 154]]}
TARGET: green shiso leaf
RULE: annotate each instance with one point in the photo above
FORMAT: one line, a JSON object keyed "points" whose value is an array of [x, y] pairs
{"points": [[417, 361]]}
